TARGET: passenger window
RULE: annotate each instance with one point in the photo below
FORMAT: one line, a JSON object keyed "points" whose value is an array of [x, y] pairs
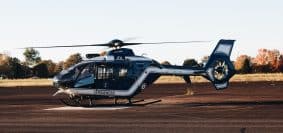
{"points": [[123, 72], [104, 72]]}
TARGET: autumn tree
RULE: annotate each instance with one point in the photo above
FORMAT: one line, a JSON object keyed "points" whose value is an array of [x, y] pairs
{"points": [[73, 59], [280, 66], [4, 65], [15, 68], [103, 53], [50, 67], [32, 56], [23, 71], [40, 70], [267, 61], [11, 67], [243, 64], [205, 59], [191, 63], [59, 67], [165, 63]]}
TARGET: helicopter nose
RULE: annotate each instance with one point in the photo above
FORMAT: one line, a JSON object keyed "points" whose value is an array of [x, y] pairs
{"points": [[56, 82], [55, 79]]}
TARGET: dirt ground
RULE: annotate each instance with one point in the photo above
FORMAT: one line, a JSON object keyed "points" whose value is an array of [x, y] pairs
{"points": [[245, 107]]}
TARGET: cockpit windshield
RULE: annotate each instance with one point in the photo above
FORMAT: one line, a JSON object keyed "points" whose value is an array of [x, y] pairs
{"points": [[74, 66]]}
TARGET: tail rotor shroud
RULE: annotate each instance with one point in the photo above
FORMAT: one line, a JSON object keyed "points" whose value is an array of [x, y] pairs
{"points": [[219, 67]]}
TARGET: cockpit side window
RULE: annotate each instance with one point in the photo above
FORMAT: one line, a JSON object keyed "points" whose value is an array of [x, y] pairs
{"points": [[77, 71], [85, 71]]}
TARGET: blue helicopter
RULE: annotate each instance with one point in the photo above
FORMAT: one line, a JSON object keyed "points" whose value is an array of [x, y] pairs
{"points": [[122, 74]]}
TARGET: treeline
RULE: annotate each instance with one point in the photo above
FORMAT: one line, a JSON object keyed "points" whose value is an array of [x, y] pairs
{"points": [[266, 61], [33, 65]]}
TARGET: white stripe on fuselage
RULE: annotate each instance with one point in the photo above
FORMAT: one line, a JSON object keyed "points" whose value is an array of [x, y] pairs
{"points": [[137, 58], [148, 71], [133, 88]]}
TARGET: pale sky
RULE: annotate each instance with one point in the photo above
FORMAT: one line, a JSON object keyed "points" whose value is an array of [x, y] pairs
{"points": [[253, 23]]}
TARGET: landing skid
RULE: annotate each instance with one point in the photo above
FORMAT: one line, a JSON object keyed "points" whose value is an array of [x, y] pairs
{"points": [[80, 102]]}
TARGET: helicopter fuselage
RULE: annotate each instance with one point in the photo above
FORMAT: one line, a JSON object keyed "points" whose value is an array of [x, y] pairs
{"points": [[122, 74]]}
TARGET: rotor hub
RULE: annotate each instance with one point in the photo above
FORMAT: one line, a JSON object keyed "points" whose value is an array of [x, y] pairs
{"points": [[116, 43]]}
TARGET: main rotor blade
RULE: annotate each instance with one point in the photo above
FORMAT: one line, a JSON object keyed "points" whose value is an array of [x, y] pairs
{"points": [[112, 45], [167, 42], [106, 44]]}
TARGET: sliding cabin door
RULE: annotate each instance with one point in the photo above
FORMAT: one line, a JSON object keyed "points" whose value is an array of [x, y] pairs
{"points": [[113, 76]]}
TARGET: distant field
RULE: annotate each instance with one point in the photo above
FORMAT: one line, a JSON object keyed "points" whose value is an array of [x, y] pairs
{"points": [[163, 79], [25, 82], [236, 78]]}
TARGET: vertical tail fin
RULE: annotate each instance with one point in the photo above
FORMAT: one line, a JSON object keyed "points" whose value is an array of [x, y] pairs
{"points": [[219, 68]]}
